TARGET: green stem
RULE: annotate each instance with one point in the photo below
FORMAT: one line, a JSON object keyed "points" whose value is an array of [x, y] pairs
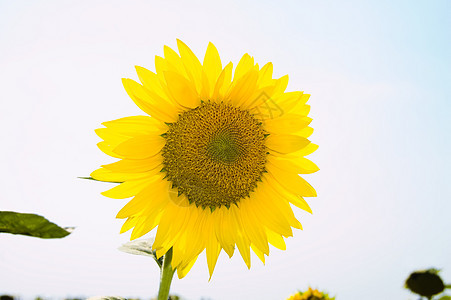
{"points": [[166, 275]]}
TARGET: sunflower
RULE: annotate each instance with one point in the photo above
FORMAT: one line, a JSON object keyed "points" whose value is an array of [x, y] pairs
{"points": [[215, 162], [310, 294]]}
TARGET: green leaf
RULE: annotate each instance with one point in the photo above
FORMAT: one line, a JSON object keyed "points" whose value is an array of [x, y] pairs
{"points": [[31, 225], [141, 247], [90, 178], [446, 297]]}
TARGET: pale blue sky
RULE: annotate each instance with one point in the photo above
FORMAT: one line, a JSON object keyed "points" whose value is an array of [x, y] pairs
{"points": [[378, 73]]}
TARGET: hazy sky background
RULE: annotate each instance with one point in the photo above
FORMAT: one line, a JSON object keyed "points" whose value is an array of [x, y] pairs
{"points": [[379, 76]]}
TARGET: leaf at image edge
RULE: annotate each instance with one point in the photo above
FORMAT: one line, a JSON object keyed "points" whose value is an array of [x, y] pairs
{"points": [[30, 225]]}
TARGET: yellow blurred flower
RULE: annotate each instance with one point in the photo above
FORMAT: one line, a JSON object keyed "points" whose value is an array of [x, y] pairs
{"points": [[310, 294]]}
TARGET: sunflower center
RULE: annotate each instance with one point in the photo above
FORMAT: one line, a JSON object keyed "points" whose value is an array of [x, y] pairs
{"points": [[215, 154], [223, 147]]}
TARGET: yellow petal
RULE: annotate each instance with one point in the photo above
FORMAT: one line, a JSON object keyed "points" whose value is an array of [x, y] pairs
{"points": [[287, 101], [291, 181], [301, 203], [205, 90], [242, 241], [223, 229], [306, 132], [199, 243], [243, 245], [278, 191], [107, 148], [213, 249], [272, 200], [151, 82], [265, 75], [181, 272], [259, 253], [150, 199], [287, 211], [288, 123], [160, 68], [160, 252], [276, 240], [260, 99], [253, 227], [179, 200], [294, 199], [193, 239], [143, 100], [281, 85], [226, 230], [141, 147], [282, 205], [174, 109], [110, 136], [183, 91], [144, 225], [223, 83], [299, 165], [184, 241], [263, 107], [270, 216], [129, 224], [245, 65], [136, 125], [103, 174], [135, 165], [162, 65], [212, 64], [172, 223], [302, 110], [192, 65], [174, 59], [256, 67], [285, 143], [242, 89], [127, 189], [309, 149]]}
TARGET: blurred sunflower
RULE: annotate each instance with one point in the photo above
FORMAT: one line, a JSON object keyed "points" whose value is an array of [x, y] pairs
{"points": [[310, 294], [426, 283], [216, 163]]}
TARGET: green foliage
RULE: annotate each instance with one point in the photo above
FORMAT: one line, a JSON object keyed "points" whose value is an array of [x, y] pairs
{"points": [[141, 247], [31, 225]]}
